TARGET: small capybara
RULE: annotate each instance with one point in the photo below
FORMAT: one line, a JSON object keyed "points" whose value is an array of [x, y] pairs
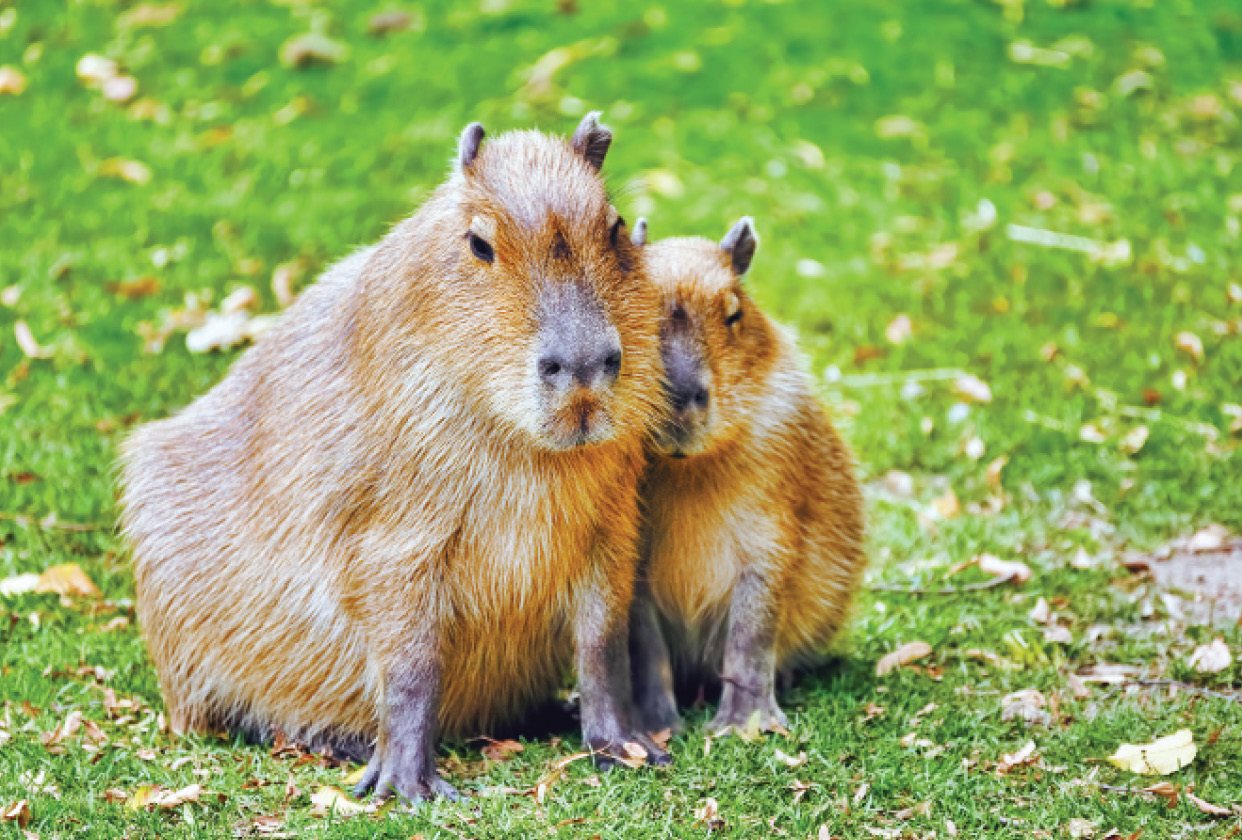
{"points": [[753, 542], [412, 505]]}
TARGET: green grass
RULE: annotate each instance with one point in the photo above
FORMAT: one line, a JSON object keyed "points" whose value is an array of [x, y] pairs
{"points": [[786, 111]]}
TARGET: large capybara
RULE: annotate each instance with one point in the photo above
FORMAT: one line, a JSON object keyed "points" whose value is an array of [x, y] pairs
{"points": [[754, 527], [413, 504]]}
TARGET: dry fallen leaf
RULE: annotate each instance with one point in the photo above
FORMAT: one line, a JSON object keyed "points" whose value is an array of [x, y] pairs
{"points": [[383, 23], [158, 796], [12, 81], [1160, 757], [67, 579], [708, 814], [93, 70], [311, 48], [18, 812], [1135, 440], [501, 750], [1211, 658], [1013, 570], [1078, 827], [1207, 807], [27, 342], [899, 329], [1027, 705], [1041, 612], [1190, 344], [1169, 793], [1011, 761], [790, 760], [1209, 538], [904, 655], [19, 584]]}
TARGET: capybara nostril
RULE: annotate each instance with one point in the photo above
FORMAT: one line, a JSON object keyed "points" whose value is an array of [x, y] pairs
{"points": [[612, 364], [549, 369]]}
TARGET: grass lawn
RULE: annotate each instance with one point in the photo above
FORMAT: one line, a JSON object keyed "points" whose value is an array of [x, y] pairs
{"points": [[899, 158]]}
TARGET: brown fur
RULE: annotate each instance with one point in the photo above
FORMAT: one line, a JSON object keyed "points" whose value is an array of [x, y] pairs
{"points": [[754, 517], [376, 482]]}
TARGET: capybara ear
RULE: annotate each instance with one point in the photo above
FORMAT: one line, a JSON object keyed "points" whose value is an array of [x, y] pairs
{"points": [[739, 244], [591, 140], [639, 236], [468, 145]]}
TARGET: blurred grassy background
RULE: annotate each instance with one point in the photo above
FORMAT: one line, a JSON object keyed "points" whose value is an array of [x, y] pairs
{"points": [[884, 148]]}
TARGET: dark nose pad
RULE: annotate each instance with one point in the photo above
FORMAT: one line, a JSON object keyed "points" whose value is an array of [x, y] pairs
{"points": [[687, 399], [593, 367]]}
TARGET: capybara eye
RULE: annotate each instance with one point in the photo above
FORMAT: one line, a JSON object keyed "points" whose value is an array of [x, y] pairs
{"points": [[733, 318], [481, 248]]}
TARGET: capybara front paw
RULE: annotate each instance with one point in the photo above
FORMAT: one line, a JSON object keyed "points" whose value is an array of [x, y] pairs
{"points": [[746, 712], [409, 780]]}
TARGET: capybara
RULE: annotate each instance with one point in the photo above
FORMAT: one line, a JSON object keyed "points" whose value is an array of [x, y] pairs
{"points": [[412, 505], [753, 538]]}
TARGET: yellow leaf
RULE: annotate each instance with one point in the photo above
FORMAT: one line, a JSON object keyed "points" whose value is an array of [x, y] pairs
{"points": [[1160, 757], [131, 171], [330, 800], [67, 579]]}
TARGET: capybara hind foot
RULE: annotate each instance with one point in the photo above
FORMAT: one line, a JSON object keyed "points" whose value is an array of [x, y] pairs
{"points": [[743, 710], [409, 776], [633, 751]]}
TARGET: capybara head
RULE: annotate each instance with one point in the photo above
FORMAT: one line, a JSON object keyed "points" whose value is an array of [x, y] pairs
{"points": [[540, 290], [716, 346]]}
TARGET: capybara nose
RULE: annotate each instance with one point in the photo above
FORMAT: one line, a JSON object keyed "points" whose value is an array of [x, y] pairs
{"points": [[589, 367], [693, 398], [578, 344]]}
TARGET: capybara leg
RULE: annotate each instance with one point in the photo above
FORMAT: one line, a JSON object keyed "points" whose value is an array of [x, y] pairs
{"points": [[404, 759], [748, 681], [601, 639], [655, 705]]}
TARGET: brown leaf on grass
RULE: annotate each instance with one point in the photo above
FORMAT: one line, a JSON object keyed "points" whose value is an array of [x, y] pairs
{"points": [[12, 81], [115, 795], [1078, 828], [1013, 570], [136, 287], [1211, 658], [310, 49], [17, 812], [1166, 791], [1206, 807], [383, 23], [873, 711], [904, 655], [93, 70], [1011, 761], [67, 579], [708, 816], [63, 732], [1135, 440], [120, 89], [1027, 705], [501, 750]]}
